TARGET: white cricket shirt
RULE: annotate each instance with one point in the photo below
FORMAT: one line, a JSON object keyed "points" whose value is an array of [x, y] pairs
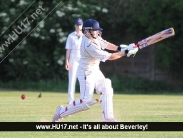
{"points": [[92, 53], [74, 43]]}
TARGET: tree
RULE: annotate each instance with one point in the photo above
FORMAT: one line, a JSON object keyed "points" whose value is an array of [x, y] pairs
{"points": [[35, 58], [124, 21]]}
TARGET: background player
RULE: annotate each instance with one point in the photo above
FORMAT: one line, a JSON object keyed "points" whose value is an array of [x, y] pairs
{"points": [[73, 56], [89, 75]]}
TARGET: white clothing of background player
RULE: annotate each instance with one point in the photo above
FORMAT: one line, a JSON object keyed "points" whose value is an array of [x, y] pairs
{"points": [[73, 56], [89, 75]]}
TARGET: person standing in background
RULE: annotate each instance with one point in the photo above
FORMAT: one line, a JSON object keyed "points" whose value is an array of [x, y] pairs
{"points": [[72, 47]]}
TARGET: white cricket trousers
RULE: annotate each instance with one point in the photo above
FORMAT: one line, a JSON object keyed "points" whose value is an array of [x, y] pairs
{"points": [[73, 67], [89, 80]]}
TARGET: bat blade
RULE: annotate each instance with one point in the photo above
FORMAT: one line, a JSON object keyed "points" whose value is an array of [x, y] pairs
{"points": [[156, 38]]}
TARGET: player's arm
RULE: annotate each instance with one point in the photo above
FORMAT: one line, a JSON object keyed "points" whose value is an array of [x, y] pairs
{"points": [[117, 55], [68, 48], [112, 47], [123, 51], [68, 51], [107, 45], [102, 55]]}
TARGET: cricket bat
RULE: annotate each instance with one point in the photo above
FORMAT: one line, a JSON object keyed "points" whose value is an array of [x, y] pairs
{"points": [[155, 38]]}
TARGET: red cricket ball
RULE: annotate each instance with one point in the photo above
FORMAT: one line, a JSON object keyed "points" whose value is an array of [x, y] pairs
{"points": [[23, 96]]}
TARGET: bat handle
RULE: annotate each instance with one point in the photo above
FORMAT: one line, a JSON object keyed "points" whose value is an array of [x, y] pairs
{"points": [[137, 45]]}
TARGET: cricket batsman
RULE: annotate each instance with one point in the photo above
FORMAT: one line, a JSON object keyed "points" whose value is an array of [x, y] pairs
{"points": [[89, 75]]}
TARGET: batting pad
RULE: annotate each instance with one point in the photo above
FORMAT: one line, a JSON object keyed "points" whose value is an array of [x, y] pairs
{"points": [[77, 106], [106, 100]]}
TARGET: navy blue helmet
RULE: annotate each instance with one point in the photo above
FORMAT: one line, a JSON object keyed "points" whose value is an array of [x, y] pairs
{"points": [[91, 24]]}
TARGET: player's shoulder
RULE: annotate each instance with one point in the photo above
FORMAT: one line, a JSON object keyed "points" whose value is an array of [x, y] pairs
{"points": [[71, 34], [87, 44], [85, 40]]}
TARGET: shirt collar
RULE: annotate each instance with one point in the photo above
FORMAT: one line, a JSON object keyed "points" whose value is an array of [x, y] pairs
{"points": [[76, 33]]}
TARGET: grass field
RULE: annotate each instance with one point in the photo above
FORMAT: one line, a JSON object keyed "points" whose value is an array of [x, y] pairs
{"points": [[127, 108]]}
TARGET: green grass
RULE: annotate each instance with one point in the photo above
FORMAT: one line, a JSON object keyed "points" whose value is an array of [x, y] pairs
{"points": [[127, 108]]}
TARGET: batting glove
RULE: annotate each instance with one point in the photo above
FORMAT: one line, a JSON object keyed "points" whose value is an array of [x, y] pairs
{"points": [[128, 49], [131, 50], [132, 53]]}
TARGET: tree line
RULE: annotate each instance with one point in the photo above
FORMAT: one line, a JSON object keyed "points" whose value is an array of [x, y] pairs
{"points": [[31, 47]]}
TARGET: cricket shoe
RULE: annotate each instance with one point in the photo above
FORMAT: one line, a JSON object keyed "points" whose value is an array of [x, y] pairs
{"points": [[57, 116]]}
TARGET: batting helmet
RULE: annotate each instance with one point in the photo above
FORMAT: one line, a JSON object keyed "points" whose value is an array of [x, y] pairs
{"points": [[91, 24]]}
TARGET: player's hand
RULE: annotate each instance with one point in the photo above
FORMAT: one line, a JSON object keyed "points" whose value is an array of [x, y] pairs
{"points": [[67, 65], [131, 46], [132, 51], [129, 49]]}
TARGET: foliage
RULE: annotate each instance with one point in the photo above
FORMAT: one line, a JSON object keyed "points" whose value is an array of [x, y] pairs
{"points": [[132, 20], [120, 85], [41, 85], [137, 85], [123, 21], [36, 57]]}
